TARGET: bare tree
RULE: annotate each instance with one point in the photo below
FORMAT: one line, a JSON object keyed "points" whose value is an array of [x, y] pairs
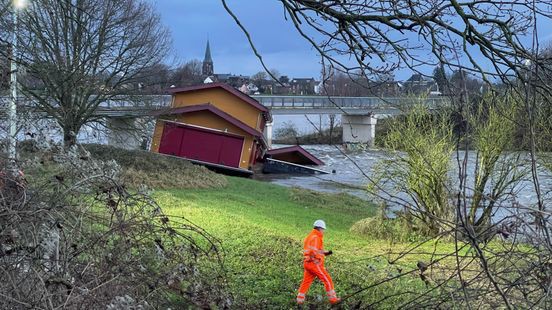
{"points": [[259, 76], [187, 74], [331, 126], [155, 79], [484, 40], [78, 54], [275, 73]]}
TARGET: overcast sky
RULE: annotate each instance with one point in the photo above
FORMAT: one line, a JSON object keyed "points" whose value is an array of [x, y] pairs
{"points": [[193, 21]]}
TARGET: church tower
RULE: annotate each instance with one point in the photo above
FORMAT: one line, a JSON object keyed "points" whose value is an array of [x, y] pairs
{"points": [[207, 68]]}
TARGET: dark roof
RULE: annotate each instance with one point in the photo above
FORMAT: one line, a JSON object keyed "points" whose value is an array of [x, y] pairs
{"points": [[296, 148], [419, 78], [211, 108], [223, 76], [229, 89]]}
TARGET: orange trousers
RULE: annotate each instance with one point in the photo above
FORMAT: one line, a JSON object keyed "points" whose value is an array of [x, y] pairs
{"points": [[316, 270]]}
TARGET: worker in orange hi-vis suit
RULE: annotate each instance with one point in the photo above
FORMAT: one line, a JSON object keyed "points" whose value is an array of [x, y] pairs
{"points": [[313, 264]]}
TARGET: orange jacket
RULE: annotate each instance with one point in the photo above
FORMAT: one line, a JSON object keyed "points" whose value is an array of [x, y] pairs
{"points": [[313, 247]]}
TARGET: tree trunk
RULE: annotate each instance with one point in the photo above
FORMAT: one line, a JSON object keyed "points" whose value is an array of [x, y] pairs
{"points": [[70, 135], [332, 127]]}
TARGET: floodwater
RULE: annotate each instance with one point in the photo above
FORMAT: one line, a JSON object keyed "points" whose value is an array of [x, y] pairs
{"points": [[354, 171]]}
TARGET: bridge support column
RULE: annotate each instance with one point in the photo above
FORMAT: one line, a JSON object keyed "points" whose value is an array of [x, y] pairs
{"points": [[268, 134], [123, 133], [359, 129]]}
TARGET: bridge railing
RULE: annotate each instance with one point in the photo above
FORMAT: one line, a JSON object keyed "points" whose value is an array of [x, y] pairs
{"points": [[305, 102], [125, 106], [145, 101], [129, 105], [142, 101]]}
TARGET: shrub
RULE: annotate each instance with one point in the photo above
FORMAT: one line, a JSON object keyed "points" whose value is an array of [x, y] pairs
{"points": [[383, 227], [422, 143], [287, 131], [80, 240]]}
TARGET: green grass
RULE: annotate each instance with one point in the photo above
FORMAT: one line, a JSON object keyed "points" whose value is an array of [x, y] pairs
{"points": [[138, 168], [261, 227], [157, 171]]}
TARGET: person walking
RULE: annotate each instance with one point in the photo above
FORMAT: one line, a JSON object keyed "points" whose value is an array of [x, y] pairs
{"points": [[313, 264]]}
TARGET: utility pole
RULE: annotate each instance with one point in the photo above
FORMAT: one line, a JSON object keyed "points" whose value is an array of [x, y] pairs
{"points": [[12, 109]]}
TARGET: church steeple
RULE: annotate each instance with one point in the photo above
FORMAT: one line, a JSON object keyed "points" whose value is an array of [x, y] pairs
{"points": [[208, 68]]}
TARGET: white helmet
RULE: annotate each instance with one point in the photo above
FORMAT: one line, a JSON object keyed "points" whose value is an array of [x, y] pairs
{"points": [[320, 223]]}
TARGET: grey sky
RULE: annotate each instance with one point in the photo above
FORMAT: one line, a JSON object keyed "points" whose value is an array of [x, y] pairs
{"points": [[193, 21]]}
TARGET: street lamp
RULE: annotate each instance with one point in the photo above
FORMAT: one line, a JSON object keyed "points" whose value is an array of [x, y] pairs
{"points": [[12, 109], [19, 4]]}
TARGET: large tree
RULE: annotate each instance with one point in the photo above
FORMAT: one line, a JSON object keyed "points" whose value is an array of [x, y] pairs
{"points": [[153, 80], [259, 77], [78, 54], [188, 74]]}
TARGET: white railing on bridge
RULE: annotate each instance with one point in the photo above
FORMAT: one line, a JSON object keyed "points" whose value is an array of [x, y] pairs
{"points": [[317, 102], [138, 101], [124, 106]]}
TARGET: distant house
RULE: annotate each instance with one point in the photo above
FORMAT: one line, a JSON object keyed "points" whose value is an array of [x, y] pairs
{"points": [[287, 86], [249, 88], [319, 88], [265, 86], [418, 84], [213, 124], [303, 86], [281, 87], [222, 77], [237, 80]]}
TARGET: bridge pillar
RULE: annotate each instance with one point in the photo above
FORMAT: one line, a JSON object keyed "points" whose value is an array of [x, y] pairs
{"points": [[268, 134], [123, 133], [359, 128]]}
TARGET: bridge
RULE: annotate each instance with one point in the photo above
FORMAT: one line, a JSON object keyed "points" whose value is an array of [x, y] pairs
{"points": [[278, 105], [300, 105], [143, 105], [358, 114]]}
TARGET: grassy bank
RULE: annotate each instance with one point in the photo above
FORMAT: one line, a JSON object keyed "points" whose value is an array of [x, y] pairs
{"points": [[137, 168], [261, 227]]}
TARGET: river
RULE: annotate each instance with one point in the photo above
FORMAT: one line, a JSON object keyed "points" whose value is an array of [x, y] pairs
{"points": [[354, 168]]}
